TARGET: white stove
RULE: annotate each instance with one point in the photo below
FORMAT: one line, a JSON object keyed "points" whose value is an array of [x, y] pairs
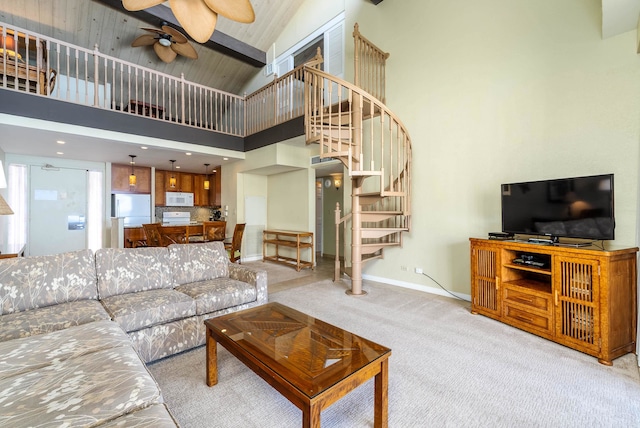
{"points": [[176, 218]]}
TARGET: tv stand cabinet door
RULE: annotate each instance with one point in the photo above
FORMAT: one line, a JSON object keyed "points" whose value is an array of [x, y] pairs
{"points": [[577, 302], [485, 280]]}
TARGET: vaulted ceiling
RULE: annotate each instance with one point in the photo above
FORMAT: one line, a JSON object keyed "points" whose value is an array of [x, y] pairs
{"points": [[108, 25], [89, 22]]}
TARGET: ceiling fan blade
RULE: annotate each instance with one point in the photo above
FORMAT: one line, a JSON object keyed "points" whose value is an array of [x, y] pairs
{"points": [[133, 5], [236, 10], [165, 53], [153, 30], [144, 40], [195, 17], [176, 35], [185, 49]]}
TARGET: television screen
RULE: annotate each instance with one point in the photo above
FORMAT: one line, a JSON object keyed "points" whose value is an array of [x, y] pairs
{"points": [[578, 207]]}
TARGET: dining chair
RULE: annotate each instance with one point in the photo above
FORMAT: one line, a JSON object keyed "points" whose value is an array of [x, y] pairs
{"points": [[173, 235], [234, 247], [153, 235], [214, 230]]}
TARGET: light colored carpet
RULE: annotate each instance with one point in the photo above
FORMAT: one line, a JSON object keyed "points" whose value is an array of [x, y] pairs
{"points": [[277, 273], [448, 369]]}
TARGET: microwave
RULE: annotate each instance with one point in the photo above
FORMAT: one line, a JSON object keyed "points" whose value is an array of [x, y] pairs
{"points": [[179, 199]]}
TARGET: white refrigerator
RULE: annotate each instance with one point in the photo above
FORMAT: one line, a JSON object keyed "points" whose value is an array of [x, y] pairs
{"points": [[134, 209]]}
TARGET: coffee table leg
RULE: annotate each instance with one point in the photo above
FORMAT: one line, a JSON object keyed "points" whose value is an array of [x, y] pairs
{"points": [[311, 416], [381, 400], [212, 360]]}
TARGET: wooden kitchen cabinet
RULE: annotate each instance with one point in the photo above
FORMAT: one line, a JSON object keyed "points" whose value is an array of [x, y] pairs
{"points": [[191, 183], [216, 187], [200, 194], [583, 298], [120, 179], [184, 181], [159, 190]]}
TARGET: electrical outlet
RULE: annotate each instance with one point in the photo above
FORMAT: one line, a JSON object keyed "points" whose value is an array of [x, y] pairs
{"points": [[403, 268], [419, 270]]}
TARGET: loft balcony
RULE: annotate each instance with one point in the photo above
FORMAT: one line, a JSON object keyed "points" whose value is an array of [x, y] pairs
{"points": [[48, 79]]}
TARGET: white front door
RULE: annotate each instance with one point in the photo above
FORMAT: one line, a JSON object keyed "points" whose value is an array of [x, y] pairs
{"points": [[58, 210]]}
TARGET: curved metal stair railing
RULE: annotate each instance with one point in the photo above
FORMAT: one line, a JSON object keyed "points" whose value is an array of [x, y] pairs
{"points": [[353, 126]]}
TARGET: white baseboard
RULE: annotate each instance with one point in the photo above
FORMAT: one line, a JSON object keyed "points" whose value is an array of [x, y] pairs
{"points": [[418, 287]]}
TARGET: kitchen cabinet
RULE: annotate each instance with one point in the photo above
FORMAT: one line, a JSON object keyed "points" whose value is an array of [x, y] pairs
{"points": [[200, 194], [120, 179], [191, 183], [159, 190], [216, 187], [184, 181]]}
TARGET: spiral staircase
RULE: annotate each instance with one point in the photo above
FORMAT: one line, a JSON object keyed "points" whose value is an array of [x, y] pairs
{"points": [[350, 123]]}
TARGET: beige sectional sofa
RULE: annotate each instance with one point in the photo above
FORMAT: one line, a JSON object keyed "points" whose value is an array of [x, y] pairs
{"points": [[76, 329]]}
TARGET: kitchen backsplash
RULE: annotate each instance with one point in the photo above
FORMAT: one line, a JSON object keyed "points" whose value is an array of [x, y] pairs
{"points": [[198, 214]]}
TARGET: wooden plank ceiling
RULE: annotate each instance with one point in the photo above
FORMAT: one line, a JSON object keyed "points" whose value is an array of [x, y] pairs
{"points": [[89, 22]]}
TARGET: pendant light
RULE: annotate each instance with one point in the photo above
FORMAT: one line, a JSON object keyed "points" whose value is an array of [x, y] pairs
{"points": [[206, 180], [172, 180], [132, 177]]}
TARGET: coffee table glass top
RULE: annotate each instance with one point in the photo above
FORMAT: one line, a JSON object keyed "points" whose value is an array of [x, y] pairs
{"points": [[308, 353]]}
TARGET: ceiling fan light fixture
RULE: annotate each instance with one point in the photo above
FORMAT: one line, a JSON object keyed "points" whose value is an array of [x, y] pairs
{"points": [[164, 42]]}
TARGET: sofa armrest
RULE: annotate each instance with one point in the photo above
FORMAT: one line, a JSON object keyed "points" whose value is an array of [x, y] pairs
{"points": [[255, 277]]}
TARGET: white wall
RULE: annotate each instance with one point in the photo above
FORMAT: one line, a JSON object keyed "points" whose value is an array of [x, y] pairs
{"points": [[491, 92]]}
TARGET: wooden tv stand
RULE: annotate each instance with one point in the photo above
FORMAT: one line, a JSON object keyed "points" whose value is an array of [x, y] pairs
{"points": [[583, 298]]}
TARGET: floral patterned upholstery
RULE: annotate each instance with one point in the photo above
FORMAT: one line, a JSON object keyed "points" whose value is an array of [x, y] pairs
{"points": [[134, 311], [198, 262], [75, 329], [126, 270], [73, 378], [219, 293], [155, 416], [24, 355], [50, 318], [35, 282], [167, 339]]}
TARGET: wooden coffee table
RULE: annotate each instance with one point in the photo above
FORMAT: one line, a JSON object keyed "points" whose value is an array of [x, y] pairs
{"points": [[312, 363]]}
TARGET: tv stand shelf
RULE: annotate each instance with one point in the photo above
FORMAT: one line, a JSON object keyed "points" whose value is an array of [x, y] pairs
{"points": [[583, 298]]}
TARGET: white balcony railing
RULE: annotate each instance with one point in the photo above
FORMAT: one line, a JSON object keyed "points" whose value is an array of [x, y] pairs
{"points": [[47, 67]]}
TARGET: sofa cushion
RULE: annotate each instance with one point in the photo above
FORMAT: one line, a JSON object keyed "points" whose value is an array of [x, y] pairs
{"points": [[50, 318], [155, 416], [30, 353], [79, 392], [167, 339], [134, 311], [198, 262], [129, 270], [215, 294], [39, 281]]}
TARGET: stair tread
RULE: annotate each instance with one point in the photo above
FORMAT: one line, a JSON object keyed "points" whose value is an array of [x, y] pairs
{"points": [[380, 212], [399, 229]]}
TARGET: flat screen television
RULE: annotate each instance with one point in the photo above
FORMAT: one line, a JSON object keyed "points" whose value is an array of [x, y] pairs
{"points": [[577, 207]]}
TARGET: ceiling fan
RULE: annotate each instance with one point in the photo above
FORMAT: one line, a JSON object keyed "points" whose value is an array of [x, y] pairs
{"points": [[199, 17], [167, 43]]}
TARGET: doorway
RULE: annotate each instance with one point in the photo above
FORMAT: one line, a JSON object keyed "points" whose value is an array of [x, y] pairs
{"points": [[58, 210]]}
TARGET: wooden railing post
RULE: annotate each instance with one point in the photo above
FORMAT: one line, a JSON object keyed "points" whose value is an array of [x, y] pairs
{"points": [[336, 270], [182, 96], [96, 74]]}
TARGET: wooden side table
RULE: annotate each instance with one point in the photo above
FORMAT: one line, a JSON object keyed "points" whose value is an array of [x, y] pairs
{"points": [[288, 239]]}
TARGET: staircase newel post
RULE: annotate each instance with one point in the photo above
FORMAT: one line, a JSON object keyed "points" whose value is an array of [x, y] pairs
{"points": [[356, 241], [336, 271]]}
